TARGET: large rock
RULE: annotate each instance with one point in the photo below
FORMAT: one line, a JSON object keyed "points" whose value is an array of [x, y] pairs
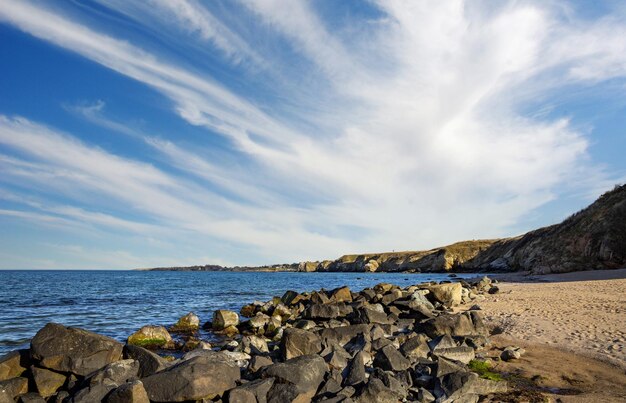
{"points": [[13, 364], [73, 350], [305, 373], [47, 382], [341, 295], [322, 311], [12, 388], [465, 385], [188, 323], [377, 392], [223, 319], [463, 324], [254, 345], [132, 392], [390, 359], [105, 380], [297, 342], [151, 337], [356, 370], [200, 377], [416, 347], [149, 363], [448, 294]]}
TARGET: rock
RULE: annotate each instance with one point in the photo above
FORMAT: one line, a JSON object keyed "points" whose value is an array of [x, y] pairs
{"points": [[306, 373], [304, 324], [258, 362], [424, 396], [415, 347], [448, 294], [132, 392], [73, 350], [102, 382], [240, 358], [371, 266], [47, 382], [322, 311], [445, 367], [283, 311], [288, 297], [14, 364], [368, 315], [464, 384], [10, 389], [337, 358], [297, 342], [255, 391], [32, 398], [376, 392], [462, 354], [258, 322], [188, 323], [248, 311], [389, 359], [511, 353], [230, 331], [200, 377], [463, 324], [149, 363], [341, 295], [254, 345], [319, 298], [151, 337], [223, 318], [344, 334], [356, 370], [493, 290]]}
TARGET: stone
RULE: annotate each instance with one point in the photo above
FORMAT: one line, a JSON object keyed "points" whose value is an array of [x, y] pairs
{"points": [[342, 294], [445, 367], [511, 353], [258, 322], [297, 342], [254, 345], [223, 318], [424, 396], [258, 362], [288, 297], [203, 376], [322, 311], [14, 364], [306, 373], [188, 323], [230, 331], [248, 310], [383, 288], [131, 392], [47, 382], [465, 384], [319, 298], [344, 334], [337, 358], [10, 389], [102, 382], [78, 351], [255, 391], [494, 290], [390, 359], [448, 294], [356, 370], [376, 392], [149, 363], [32, 398], [151, 337], [462, 354], [369, 315], [416, 347], [283, 311], [463, 324], [304, 324]]}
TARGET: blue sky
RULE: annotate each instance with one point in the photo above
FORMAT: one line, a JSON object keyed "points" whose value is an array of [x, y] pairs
{"points": [[180, 132]]}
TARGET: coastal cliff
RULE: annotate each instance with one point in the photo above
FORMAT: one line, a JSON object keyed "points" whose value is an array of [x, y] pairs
{"points": [[593, 238]]}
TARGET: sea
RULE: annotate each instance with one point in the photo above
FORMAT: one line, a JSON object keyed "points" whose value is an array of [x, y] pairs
{"points": [[118, 303]]}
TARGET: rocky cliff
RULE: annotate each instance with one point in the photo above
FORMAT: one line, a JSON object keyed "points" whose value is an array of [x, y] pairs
{"points": [[594, 238]]}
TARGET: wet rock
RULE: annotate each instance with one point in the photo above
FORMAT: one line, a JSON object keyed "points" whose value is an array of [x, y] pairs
{"points": [[132, 392], [390, 359], [47, 382], [73, 350], [448, 294], [14, 364], [297, 342], [306, 373], [10, 389], [201, 377], [149, 363], [222, 319], [151, 337], [255, 391], [188, 323]]}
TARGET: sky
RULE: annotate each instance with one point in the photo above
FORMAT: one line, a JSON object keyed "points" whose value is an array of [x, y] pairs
{"points": [[249, 132]]}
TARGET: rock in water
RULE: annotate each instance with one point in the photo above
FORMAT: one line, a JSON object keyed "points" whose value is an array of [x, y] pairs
{"points": [[151, 337], [188, 323], [297, 342], [201, 377], [223, 319], [73, 350]]}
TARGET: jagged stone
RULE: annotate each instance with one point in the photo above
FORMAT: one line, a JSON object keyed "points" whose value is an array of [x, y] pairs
{"points": [[149, 363], [356, 370], [254, 345], [10, 389], [297, 342], [47, 382], [448, 294], [462, 324], [342, 294], [255, 391], [131, 392], [306, 373], [14, 364], [388, 358]]}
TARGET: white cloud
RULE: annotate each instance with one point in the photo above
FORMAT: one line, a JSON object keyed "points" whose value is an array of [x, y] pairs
{"points": [[420, 137]]}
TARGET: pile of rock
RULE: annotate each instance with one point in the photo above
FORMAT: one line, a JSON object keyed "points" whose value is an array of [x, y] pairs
{"points": [[382, 344]]}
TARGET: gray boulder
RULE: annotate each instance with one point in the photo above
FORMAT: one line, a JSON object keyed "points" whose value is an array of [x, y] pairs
{"points": [[304, 373], [149, 363], [463, 324], [78, 351], [10, 389], [201, 377], [356, 370], [105, 380], [255, 391], [297, 342], [390, 359], [132, 392]]}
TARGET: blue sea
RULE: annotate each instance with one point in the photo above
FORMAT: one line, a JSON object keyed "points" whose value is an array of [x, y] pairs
{"points": [[117, 303]]}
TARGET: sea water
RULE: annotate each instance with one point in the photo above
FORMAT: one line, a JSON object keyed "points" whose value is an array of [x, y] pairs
{"points": [[117, 303]]}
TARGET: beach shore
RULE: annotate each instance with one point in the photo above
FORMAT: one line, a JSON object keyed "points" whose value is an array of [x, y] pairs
{"points": [[573, 327]]}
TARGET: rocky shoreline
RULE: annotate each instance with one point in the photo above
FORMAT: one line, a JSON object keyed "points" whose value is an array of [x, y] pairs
{"points": [[381, 344]]}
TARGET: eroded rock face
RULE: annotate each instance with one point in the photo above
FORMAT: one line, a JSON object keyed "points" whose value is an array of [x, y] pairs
{"points": [[78, 351], [151, 337], [200, 377]]}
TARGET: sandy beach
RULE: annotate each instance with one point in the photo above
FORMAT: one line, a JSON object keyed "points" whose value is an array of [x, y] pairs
{"points": [[553, 316]]}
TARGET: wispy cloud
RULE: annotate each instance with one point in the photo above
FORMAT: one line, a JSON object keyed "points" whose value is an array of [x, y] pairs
{"points": [[421, 124]]}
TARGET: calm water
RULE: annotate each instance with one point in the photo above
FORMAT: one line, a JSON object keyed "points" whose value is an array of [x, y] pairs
{"points": [[117, 303]]}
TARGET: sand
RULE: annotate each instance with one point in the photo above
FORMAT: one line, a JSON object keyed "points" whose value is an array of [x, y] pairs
{"points": [[573, 326]]}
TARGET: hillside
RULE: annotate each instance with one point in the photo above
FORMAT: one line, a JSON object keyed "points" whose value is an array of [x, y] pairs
{"points": [[594, 238]]}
